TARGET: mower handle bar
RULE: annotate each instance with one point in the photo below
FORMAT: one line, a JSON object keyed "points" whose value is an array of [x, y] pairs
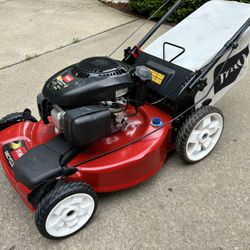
{"points": [[129, 56], [157, 26]]}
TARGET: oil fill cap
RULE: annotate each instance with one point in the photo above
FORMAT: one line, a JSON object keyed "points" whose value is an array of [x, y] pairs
{"points": [[156, 122]]}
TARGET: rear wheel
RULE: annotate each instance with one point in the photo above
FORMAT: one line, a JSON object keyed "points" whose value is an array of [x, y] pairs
{"points": [[14, 118], [65, 210], [199, 134]]}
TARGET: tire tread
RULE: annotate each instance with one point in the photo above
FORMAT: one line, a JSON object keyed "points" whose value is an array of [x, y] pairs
{"points": [[58, 193], [188, 125]]}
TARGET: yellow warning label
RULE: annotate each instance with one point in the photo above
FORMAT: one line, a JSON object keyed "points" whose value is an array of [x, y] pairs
{"points": [[59, 78], [157, 77]]}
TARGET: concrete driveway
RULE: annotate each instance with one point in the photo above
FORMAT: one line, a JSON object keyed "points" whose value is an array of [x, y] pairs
{"points": [[29, 27], [205, 206]]}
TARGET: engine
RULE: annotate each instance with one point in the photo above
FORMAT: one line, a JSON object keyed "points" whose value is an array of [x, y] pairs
{"points": [[87, 101]]}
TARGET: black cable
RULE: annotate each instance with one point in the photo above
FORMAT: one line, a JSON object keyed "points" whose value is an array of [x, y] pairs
{"points": [[120, 45], [160, 100], [163, 126], [165, 97]]}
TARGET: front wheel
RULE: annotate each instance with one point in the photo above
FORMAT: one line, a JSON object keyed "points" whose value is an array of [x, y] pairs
{"points": [[65, 210], [199, 134]]}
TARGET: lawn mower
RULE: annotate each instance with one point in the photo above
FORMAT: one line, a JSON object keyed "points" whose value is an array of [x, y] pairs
{"points": [[107, 125]]}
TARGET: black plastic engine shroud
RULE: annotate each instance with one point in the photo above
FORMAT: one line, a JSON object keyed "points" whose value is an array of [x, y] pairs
{"points": [[92, 80]]}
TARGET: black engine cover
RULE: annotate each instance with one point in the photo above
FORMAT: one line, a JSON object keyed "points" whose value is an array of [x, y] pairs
{"points": [[86, 125], [90, 81]]}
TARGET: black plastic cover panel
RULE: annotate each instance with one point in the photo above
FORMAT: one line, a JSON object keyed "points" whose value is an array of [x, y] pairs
{"points": [[42, 162], [39, 164], [88, 82], [167, 77], [88, 124]]}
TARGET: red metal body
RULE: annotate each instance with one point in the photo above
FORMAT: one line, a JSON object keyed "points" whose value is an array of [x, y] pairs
{"points": [[121, 169]]}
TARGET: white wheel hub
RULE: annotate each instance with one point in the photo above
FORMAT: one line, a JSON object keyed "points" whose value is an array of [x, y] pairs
{"points": [[204, 137], [70, 214]]}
